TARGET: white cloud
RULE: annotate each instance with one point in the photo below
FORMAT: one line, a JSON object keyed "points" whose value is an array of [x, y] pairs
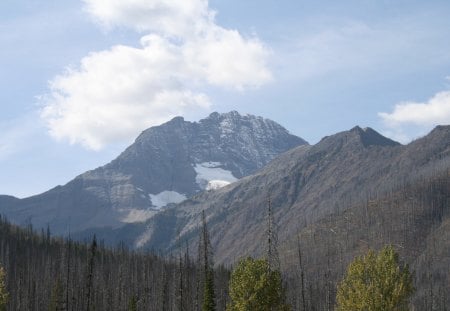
{"points": [[435, 111], [116, 93], [422, 116]]}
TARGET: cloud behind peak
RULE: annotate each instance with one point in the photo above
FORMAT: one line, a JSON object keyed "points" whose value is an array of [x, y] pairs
{"points": [[116, 93]]}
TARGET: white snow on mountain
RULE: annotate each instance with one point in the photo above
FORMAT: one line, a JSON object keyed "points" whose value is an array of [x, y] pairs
{"points": [[211, 176], [166, 197], [216, 184]]}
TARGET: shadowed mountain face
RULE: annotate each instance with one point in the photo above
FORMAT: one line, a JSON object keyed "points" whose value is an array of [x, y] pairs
{"points": [[165, 165]]}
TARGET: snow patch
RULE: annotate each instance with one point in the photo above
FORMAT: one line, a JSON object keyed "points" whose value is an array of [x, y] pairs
{"points": [[211, 176], [138, 215], [166, 197], [216, 184], [226, 127]]}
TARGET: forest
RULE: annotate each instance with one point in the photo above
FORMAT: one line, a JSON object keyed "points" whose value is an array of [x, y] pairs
{"points": [[47, 273]]}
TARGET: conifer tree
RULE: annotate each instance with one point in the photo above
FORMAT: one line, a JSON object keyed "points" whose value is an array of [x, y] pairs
{"points": [[56, 300], [132, 305], [209, 297], [375, 282], [3, 292]]}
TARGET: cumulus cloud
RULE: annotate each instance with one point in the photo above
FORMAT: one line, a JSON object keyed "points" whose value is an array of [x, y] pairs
{"points": [[434, 111], [423, 116], [114, 94]]}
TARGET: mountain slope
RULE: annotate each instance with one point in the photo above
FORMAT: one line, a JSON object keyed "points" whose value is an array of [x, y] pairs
{"points": [[165, 165], [306, 184]]}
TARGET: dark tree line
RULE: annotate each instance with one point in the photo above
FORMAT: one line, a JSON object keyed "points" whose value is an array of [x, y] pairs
{"points": [[45, 273]]}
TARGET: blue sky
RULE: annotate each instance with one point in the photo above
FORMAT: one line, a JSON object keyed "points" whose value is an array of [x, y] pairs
{"points": [[80, 79]]}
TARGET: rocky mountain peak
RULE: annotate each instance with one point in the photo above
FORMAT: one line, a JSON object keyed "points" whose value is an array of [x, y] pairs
{"points": [[370, 137], [165, 165], [440, 130], [347, 144]]}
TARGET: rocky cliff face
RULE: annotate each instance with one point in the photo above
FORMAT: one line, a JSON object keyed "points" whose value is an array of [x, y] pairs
{"points": [[165, 165]]}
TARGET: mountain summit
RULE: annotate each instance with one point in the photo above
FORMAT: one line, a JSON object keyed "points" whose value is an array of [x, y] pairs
{"points": [[165, 165]]}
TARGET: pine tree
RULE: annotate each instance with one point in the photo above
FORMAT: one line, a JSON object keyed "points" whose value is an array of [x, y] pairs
{"points": [[132, 305], [209, 297], [56, 300], [375, 282], [254, 286], [3, 292]]}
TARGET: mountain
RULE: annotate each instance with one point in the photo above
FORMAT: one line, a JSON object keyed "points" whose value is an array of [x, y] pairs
{"points": [[351, 191], [303, 182], [305, 185], [165, 165]]}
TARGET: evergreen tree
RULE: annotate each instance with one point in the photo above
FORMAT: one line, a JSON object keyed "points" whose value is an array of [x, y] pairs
{"points": [[375, 282], [209, 296], [3, 292], [56, 300], [254, 286], [132, 305]]}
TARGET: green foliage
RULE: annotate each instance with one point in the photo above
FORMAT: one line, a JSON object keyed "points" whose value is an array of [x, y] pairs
{"points": [[3, 292], [209, 295], [132, 304], [254, 287], [375, 282], [56, 300]]}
